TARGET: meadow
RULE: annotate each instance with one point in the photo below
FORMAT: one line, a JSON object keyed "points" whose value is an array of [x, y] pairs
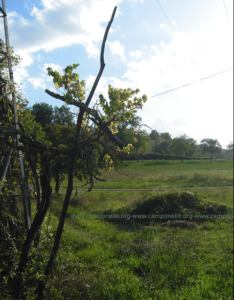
{"points": [[127, 258], [168, 174]]}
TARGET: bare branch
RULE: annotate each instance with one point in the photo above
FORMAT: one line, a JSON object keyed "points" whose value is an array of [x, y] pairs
{"points": [[102, 66], [96, 118]]}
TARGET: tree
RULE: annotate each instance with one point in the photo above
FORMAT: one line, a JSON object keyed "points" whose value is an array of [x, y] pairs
{"points": [[60, 136], [43, 113], [141, 142], [182, 146], [166, 136], [62, 116], [210, 146], [161, 143], [126, 130], [81, 151], [230, 147], [154, 135], [164, 146]]}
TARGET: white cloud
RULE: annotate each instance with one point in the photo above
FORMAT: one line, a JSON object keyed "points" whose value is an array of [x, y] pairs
{"points": [[169, 66], [117, 49], [162, 25], [136, 54], [20, 74], [174, 126], [40, 82], [37, 82], [133, 2], [60, 24], [154, 48], [54, 67]]}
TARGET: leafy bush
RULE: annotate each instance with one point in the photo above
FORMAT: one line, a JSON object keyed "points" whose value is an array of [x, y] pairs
{"points": [[171, 203]]}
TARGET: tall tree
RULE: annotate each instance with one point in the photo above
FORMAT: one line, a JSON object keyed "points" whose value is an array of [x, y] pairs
{"points": [[154, 135], [166, 136], [63, 116], [141, 142], [161, 142], [43, 113], [183, 145], [210, 146]]}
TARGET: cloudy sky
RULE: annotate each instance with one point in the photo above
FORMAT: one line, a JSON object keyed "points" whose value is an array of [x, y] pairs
{"points": [[153, 45]]}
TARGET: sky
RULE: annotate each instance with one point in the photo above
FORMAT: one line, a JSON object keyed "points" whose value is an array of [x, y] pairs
{"points": [[153, 45]]}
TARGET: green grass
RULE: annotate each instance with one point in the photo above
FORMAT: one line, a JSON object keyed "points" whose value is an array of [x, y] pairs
{"points": [[167, 174], [125, 259]]}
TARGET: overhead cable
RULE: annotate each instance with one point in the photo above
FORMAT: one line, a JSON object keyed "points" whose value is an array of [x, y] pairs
{"points": [[172, 26], [190, 83], [226, 14]]}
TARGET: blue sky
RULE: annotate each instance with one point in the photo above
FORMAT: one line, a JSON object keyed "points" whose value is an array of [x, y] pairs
{"points": [[143, 50]]}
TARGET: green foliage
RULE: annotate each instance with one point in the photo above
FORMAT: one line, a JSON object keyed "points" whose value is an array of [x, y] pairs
{"points": [[69, 81], [60, 137], [126, 129], [154, 135], [141, 141], [210, 146], [43, 113], [120, 106], [183, 145], [230, 147], [160, 142], [46, 115], [62, 116]]}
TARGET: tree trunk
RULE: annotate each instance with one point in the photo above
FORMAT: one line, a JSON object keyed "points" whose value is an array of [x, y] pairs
{"points": [[41, 285], [57, 184]]}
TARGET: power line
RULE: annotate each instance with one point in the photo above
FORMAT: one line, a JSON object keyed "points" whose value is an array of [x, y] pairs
{"points": [[172, 27], [172, 89], [190, 83], [227, 14], [166, 16]]}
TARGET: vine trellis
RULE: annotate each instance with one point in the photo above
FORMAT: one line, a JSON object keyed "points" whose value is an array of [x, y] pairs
{"points": [[5, 103]]}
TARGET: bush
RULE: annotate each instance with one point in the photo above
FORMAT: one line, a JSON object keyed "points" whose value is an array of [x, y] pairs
{"points": [[171, 203]]}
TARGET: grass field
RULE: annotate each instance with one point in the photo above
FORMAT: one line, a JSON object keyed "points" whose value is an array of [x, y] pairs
{"points": [[152, 174], [125, 259]]}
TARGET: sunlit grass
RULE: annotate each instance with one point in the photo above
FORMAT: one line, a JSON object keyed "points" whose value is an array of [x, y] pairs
{"points": [[152, 174], [106, 260]]}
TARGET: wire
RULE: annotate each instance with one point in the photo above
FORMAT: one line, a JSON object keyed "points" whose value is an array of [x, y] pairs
{"points": [[180, 87], [172, 27], [166, 16], [191, 83], [226, 14]]}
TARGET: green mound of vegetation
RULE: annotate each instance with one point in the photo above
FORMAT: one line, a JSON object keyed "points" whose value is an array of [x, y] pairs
{"points": [[172, 205]]}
